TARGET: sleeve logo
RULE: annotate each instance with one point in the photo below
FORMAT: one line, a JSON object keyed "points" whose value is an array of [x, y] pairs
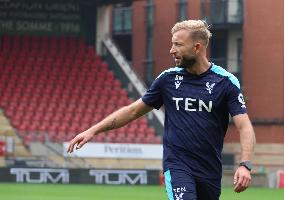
{"points": [[242, 100]]}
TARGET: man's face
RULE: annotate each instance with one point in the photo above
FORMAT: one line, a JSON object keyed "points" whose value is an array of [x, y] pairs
{"points": [[183, 49]]}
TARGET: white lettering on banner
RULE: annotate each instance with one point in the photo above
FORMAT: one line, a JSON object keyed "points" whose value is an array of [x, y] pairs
{"points": [[41, 15], [62, 16], [33, 26], [122, 149], [6, 25], [118, 177], [20, 5], [44, 16], [36, 175], [27, 15], [64, 7], [47, 6], [113, 150], [70, 27]]}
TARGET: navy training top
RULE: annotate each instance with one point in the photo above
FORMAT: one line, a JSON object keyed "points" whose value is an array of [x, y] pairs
{"points": [[197, 109]]}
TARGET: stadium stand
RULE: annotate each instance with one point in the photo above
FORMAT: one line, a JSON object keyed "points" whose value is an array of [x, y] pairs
{"points": [[16, 146], [54, 87]]}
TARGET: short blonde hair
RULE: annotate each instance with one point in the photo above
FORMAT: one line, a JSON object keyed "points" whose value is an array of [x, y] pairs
{"points": [[199, 29]]}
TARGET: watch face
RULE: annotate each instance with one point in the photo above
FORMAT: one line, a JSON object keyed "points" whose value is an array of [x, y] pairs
{"points": [[249, 165], [246, 164]]}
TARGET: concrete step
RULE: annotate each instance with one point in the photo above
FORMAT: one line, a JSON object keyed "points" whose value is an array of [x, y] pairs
{"points": [[7, 133]]}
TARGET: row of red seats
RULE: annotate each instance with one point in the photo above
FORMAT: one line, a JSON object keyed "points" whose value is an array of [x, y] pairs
{"points": [[55, 59], [57, 96], [62, 137], [76, 127], [65, 100], [46, 95], [29, 39], [62, 81], [41, 54]]}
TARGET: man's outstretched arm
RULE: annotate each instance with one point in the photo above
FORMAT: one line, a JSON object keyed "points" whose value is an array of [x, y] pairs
{"points": [[115, 120], [242, 176]]}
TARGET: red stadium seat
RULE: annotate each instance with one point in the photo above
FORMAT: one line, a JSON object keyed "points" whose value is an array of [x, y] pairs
{"points": [[59, 85]]}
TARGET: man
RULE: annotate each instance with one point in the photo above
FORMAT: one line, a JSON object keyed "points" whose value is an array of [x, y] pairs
{"points": [[198, 97]]}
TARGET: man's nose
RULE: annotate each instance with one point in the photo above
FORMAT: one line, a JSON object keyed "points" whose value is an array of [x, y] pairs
{"points": [[172, 50]]}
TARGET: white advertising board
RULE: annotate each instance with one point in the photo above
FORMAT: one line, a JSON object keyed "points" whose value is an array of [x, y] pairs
{"points": [[114, 150]]}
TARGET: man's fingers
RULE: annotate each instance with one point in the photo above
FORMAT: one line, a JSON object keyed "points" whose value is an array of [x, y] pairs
{"points": [[236, 177], [70, 147], [247, 182], [240, 181], [81, 144], [239, 184], [239, 188], [72, 144], [78, 141], [242, 184]]}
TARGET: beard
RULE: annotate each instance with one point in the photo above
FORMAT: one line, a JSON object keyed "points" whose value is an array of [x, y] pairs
{"points": [[186, 62]]}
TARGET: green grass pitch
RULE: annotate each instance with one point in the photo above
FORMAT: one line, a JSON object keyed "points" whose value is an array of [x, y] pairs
{"points": [[101, 192]]}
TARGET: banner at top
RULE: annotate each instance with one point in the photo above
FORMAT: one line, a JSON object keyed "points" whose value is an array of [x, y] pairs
{"points": [[40, 17]]}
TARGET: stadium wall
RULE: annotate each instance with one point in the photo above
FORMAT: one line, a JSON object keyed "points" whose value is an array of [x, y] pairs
{"points": [[80, 176], [99, 176], [262, 58], [263, 70], [165, 16], [138, 38]]}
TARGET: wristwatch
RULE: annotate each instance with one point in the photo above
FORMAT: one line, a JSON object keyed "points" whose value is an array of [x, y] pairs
{"points": [[246, 164]]}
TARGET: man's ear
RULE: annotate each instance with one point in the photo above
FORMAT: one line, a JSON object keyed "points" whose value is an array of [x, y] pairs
{"points": [[197, 47]]}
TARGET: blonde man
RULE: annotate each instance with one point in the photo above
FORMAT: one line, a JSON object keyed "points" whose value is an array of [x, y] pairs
{"points": [[198, 97]]}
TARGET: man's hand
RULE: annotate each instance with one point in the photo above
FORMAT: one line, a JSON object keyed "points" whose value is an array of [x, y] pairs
{"points": [[80, 140], [115, 120], [242, 179]]}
